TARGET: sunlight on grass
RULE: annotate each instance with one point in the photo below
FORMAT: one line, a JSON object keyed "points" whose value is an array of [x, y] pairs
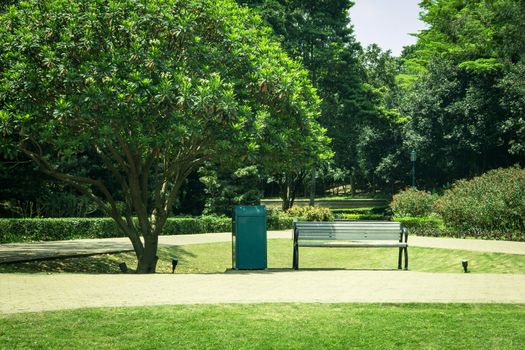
{"points": [[216, 258], [271, 326]]}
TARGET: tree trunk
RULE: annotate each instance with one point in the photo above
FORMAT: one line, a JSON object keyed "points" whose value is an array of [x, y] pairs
{"points": [[352, 183], [147, 261], [285, 196], [312, 187]]}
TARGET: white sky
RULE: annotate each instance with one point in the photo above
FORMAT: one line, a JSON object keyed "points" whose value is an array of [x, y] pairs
{"points": [[387, 23]]}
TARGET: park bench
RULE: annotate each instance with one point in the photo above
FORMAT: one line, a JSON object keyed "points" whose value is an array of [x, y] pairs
{"points": [[350, 234]]}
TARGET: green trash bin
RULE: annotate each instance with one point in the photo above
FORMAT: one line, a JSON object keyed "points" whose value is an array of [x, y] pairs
{"points": [[249, 238]]}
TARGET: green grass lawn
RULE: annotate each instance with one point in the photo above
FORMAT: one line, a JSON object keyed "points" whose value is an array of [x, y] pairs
{"points": [[216, 258], [271, 326]]}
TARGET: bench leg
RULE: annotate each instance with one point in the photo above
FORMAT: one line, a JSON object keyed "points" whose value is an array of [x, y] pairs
{"points": [[399, 258], [295, 261], [406, 258]]}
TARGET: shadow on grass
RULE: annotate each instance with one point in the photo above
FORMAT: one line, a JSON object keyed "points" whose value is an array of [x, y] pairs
{"points": [[280, 270], [93, 264]]}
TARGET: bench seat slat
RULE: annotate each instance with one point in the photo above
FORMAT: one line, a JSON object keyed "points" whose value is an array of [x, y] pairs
{"points": [[352, 237], [338, 226], [352, 244], [348, 223], [328, 232]]}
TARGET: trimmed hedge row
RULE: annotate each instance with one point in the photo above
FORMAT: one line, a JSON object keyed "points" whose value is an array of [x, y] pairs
{"points": [[433, 227], [54, 229]]}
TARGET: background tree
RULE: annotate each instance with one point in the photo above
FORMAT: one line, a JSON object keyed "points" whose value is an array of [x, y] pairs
{"points": [[319, 33], [154, 89], [464, 99]]}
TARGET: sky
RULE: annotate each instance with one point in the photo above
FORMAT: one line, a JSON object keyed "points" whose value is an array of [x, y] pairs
{"points": [[387, 23]]}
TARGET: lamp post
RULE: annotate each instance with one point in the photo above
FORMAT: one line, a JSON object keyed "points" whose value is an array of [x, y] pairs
{"points": [[413, 160]]}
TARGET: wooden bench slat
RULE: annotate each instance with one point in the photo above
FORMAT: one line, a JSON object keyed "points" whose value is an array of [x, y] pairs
{"points": [[352, 244], [352, 237], [329, 232], [364, 227], [340, 234]]}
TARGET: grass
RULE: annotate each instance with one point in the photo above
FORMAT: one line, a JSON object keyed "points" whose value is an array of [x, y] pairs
{"points": [[216, 258], [271, 326]]}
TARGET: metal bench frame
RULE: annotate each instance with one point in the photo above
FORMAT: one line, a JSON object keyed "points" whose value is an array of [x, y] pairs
{"points": [[355, 233]]}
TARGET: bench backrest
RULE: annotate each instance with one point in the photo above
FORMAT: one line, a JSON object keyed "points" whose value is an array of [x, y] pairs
{"points": [[347, 230]]}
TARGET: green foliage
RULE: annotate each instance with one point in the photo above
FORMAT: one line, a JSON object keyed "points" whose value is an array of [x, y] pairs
{"points": [[412, 202], [494, 201], [431, 226], [26, 230], [153, 90], [320, 34], [465, 96], [51, 229], [310, 213], [226, 189], [365, 211], [54, 229], [276, 220], [361, 217]]}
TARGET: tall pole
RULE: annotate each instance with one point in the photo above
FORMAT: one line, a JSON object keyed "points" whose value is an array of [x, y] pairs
{"points": [[413, 159]]}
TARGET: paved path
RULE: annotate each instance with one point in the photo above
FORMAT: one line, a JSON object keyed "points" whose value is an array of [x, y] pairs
{"points": [[42, 292], [46, 250], [38, 292]]}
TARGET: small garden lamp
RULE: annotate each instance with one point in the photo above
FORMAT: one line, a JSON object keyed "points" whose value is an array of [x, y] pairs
{"points": [[174, 262], [123, 267], [413, 156], [464, 263]]}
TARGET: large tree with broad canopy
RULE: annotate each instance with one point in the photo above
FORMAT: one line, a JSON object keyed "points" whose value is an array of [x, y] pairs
{"points": [[153, 89]]}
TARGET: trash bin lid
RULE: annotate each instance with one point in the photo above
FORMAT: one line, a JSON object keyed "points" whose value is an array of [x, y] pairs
{"points": [[249, 210]]}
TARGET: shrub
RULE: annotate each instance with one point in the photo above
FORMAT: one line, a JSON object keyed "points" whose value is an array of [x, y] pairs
{"points": [[421, 223], [364, 211], [494, 201], [358, 217], [275, 222], [53, 229], [310, 213], [412, 202]]}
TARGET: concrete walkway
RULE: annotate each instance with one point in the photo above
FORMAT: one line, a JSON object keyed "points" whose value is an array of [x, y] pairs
{"points": [[42, 292], [38, 292], [46, 250]]}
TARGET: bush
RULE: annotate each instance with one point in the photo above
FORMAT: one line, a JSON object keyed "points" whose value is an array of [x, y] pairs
{"points": [[282, 222], [412, 202], [493, 202], [422, 226], [310, 213], [358, 217], [363, 211], [52, 229]]}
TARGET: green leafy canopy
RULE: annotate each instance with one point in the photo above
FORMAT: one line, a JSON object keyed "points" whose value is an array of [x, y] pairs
{"points": [[156, 73], [152, 89]]}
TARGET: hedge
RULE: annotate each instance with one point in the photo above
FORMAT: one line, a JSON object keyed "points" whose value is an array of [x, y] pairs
{"points": [[434, 227], [54, 229]]}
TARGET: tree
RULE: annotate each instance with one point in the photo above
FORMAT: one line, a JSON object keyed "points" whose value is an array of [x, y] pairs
{"points": [[380, 143], [319, 33], [465, 99], [153, 88]]}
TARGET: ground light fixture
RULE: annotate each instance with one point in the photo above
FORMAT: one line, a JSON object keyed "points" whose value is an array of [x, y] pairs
{"points": [[464, 263], [123, 267], [174, 262]]}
